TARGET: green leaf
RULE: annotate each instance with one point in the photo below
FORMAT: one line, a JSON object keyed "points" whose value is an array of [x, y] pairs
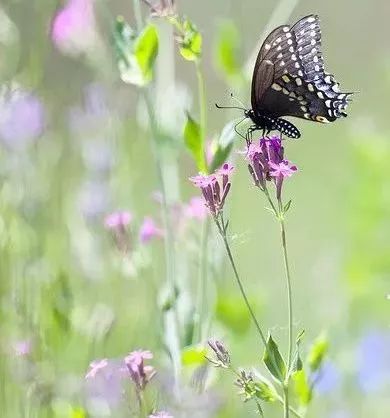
{"points": [[136, 54], [265, 390], [226, 49], [146, 48], [318, 352], [223, 147], [193, 356], [194, 142], [302, 387], [296, 363], [274, 361], [190, 41], [287, 206]]}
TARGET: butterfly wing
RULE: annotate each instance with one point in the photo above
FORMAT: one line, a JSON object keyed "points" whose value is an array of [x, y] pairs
{"points": [[289, 77]]}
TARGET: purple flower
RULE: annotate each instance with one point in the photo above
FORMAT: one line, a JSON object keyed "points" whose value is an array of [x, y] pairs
{"points": [[118, 220], [267, 163], [161, 414], [374, 361], [95, 367], [196, 208], [149, 230], [221, 353], [139, 373], [74, 27], [22, 119], [215, 188]]}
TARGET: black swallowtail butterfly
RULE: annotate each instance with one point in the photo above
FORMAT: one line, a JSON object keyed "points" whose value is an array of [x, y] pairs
{"points": [[289, 80]]}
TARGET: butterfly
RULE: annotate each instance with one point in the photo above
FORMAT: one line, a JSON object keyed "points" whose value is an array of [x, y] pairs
{"points": [[289, 80]]}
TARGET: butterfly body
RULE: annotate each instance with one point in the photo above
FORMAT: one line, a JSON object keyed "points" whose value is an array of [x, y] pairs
{"points": [[289, 80]]}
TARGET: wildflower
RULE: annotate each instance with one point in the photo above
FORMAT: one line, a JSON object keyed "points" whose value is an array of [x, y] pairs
{"points": [[22, 348], [22, 118], [139, 373], [149, 230], [162, 8], [196, 208], [222, 354], [247, 385], [267, 163], [118, 220], [161, 414], [74, 27], [95, 366], [215, 188]]}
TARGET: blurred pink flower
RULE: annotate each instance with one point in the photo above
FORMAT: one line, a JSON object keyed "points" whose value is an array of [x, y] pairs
{"points": [[196, 208], [118, 220], [74, 27], [149, 230], [139, 373], [22, 348], [95, 366]]}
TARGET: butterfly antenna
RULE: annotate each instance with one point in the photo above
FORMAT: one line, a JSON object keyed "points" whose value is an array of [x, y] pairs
{"points": [[237, 100], [229, 107]]}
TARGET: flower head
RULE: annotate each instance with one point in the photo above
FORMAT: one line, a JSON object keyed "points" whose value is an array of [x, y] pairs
{"points": [[221, 353], [118, 220], [149, 230], [196, 208], [74, 27], [140, 373], [215, 187], [267, 163], [95, 366]]}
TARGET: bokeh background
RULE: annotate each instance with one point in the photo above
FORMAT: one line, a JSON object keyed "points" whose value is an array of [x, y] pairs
{"points": [[75, 146]]}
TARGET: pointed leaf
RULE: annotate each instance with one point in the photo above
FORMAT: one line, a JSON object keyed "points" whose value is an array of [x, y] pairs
{"points": [[296, 363], [287, 206], [190, 41], [302, 387], [146, 48], [318, 352], [274, 361], [194, 142]]}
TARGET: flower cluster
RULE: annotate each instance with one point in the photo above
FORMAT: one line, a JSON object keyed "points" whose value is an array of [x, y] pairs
{"points": [[215, 188], [140, 373], [221, 353], [267, 163]]}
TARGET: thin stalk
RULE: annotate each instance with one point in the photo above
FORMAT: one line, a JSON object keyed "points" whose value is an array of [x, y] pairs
{"points": [[202, 100], [291, 409], [286, 406], [222, 231], [202, 281]]}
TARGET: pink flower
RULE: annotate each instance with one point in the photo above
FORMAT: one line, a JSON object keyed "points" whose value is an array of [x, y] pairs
{"points": [[95, 366], [74, 27], [22, 348], [149, 230], [139, 373], [215, 188], [282, 169], [118, 220], [196, 208]]}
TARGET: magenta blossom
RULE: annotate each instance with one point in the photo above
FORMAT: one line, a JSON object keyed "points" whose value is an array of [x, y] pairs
{"points": [[267, 163], [118, 220], [215, 188], [196, 208], [95, 366], [161, 414], [140, 373], [22, 348], [74, 27], [149, 230]]}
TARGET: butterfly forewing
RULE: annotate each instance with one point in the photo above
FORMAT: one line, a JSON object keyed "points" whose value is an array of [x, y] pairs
{"points": [[289, 77]]}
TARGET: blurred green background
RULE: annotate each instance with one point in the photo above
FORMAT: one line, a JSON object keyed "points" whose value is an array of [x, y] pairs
{"points": [[80, 149]]}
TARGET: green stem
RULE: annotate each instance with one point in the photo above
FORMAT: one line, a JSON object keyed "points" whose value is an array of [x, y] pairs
{"points": [[202, 105], [222, 231], [202, 282], [291, 409], [286, 406]]}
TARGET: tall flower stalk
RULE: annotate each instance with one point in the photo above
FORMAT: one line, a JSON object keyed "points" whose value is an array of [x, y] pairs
{"points": [[215, 189], [268, 166]]}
